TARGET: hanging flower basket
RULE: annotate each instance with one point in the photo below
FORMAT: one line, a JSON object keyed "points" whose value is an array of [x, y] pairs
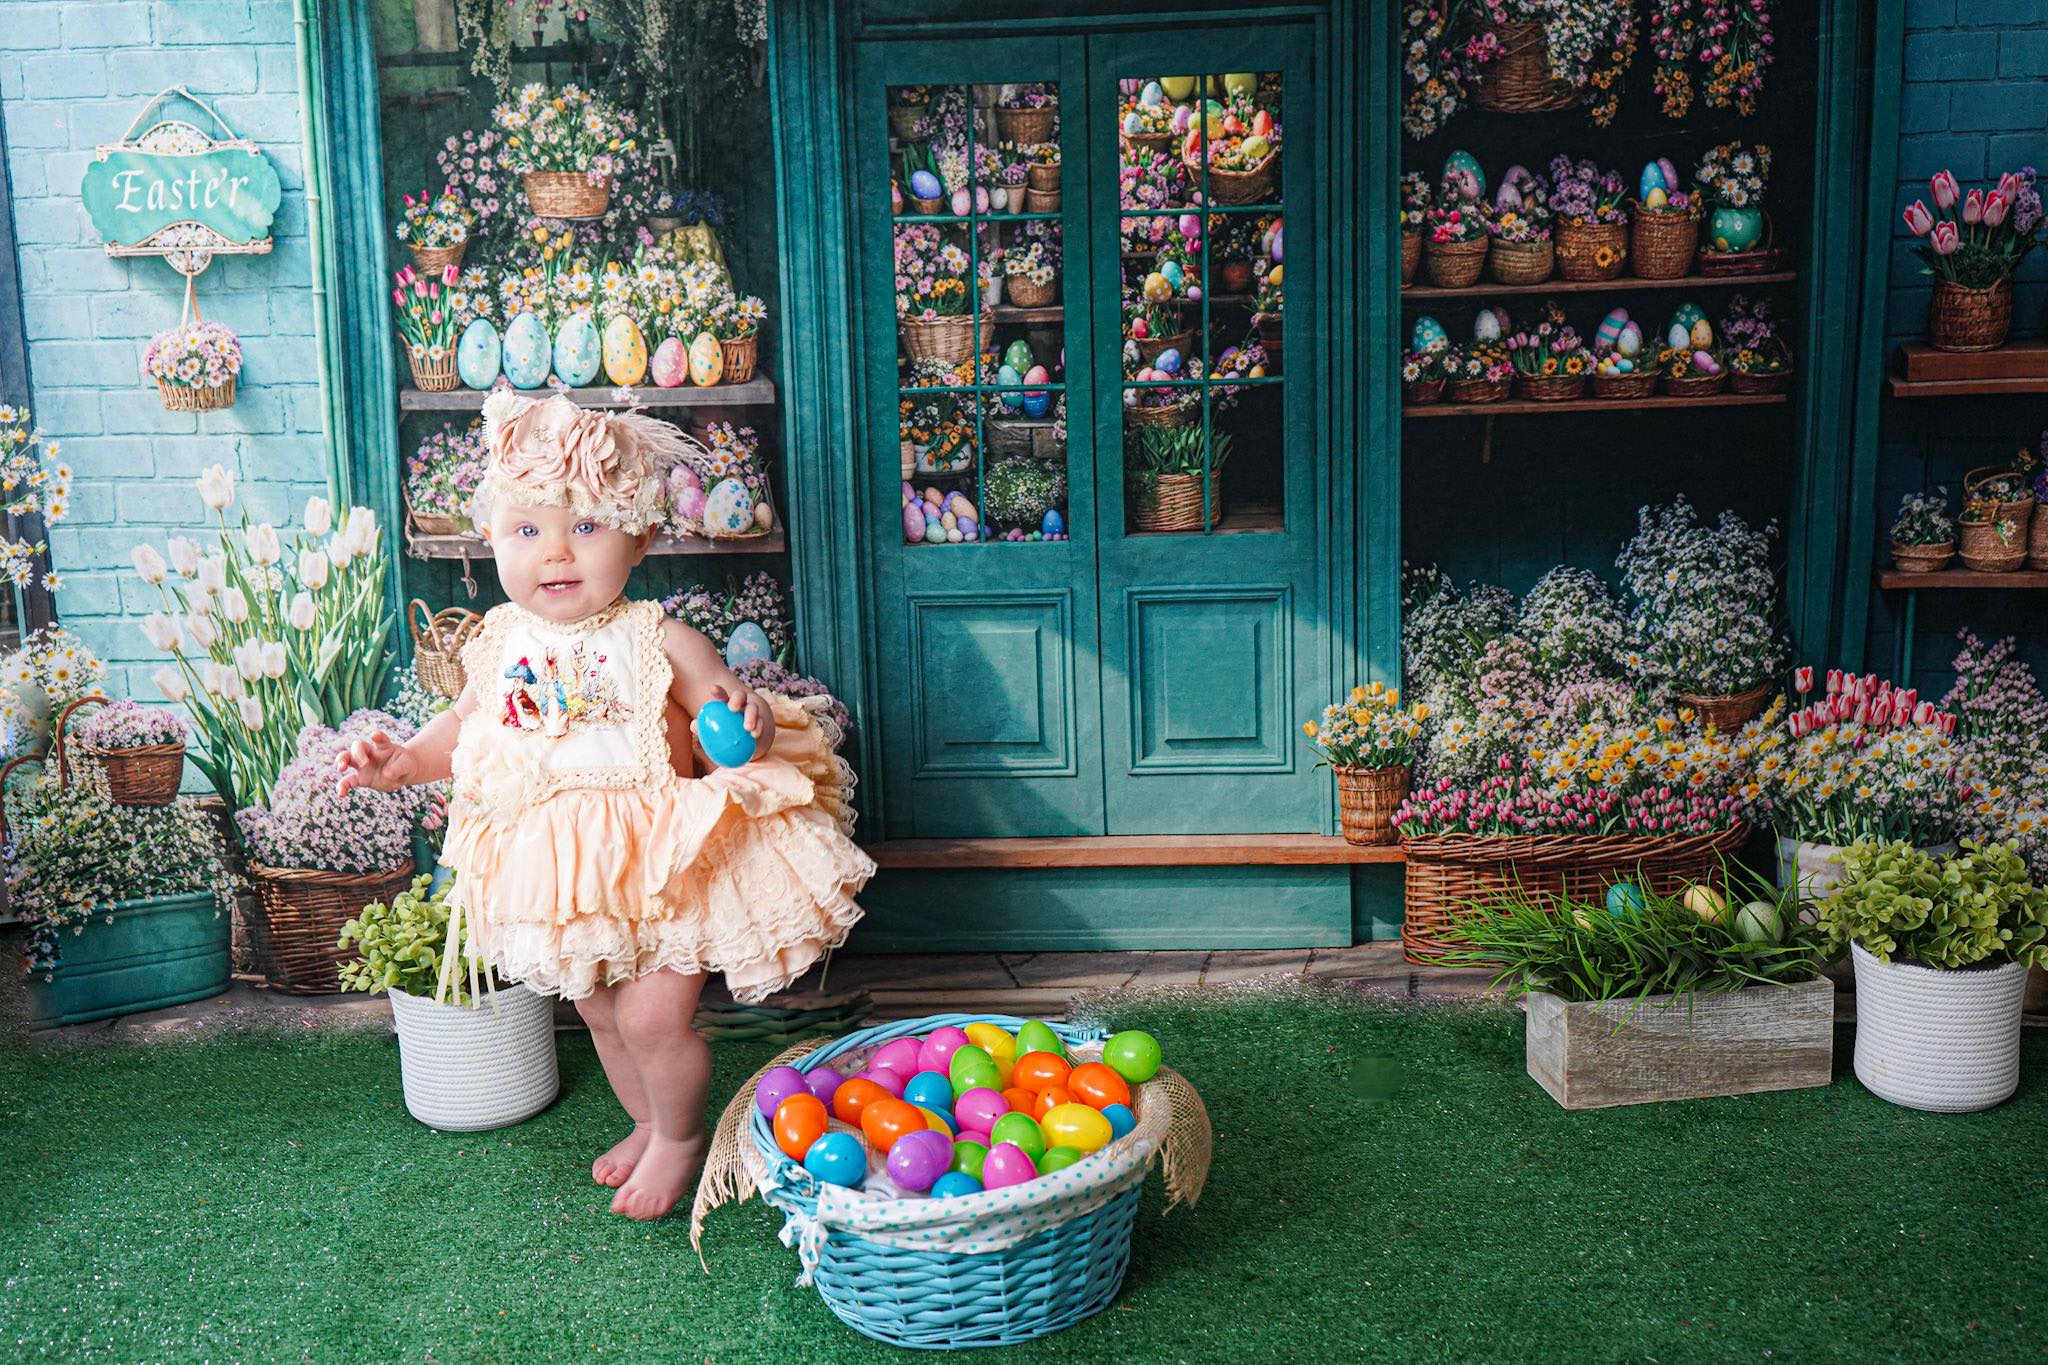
{"points": [[567, 194], [194, 363], [1960, 319], [1520, 81], [1588, 251], [187, 398], [1367, 799]]}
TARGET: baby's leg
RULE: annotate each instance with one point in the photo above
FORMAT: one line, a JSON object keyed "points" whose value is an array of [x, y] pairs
{"points": [[655, 1014], [600, 1011]]}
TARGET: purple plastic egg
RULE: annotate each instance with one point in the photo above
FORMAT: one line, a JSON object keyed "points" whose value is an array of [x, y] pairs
{"points": [[1278, 233], [899, 1055], [1706, 363], [885, 1078], [936, 1053], [824, 1082], [918, 1159], [1007, 1164], [776, 1086], [980, 1107]]}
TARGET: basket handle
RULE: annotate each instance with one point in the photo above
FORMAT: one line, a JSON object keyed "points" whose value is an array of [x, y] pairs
{"points": [[426, 617], [6, 770], [57, 735]]}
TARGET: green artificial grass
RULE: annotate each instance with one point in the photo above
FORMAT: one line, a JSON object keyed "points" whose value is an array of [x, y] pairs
{"points": [[1388, 1185]]}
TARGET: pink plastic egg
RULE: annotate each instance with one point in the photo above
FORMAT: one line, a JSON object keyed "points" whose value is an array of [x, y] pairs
{"points": [[776, 1086], [1007, 1164], [898, 1055], [824, 1082], [979, 1135], [936, 1053], [980, 1107], [885, 1078]]}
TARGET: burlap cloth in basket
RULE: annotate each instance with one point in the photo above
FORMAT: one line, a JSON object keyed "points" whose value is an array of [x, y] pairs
{"points": [[1173, 1125]]}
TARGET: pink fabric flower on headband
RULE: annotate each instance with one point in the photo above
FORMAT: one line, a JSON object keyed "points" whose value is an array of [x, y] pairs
{"points": [[550, 452]]}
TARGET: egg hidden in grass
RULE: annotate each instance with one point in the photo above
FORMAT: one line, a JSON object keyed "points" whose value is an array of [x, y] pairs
{"points": [[1757, 922], [1705, 902]]}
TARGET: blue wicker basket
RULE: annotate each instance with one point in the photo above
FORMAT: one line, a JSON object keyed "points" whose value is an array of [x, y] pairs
{"points": [[949, 1300]]}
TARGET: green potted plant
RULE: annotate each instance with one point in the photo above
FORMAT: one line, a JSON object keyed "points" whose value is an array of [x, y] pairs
{"points": [[1941, 947], [1731, 178], [472, 1055], [1370, 741], [1165, 481]]}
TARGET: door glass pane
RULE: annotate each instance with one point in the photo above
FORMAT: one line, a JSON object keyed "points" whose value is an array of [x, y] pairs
{"points": [[1199, 205], [979, 300]]}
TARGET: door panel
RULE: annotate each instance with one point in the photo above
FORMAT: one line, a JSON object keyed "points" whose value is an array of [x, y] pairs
{"points": [[1013, 654], [1209, 679]]}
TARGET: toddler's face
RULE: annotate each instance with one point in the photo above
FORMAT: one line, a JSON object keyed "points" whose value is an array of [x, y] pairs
{"points": [[561, 566]]}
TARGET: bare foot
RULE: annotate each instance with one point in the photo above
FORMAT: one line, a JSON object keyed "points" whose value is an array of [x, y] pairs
{"points": [[611, 1169], [664, 1172]]}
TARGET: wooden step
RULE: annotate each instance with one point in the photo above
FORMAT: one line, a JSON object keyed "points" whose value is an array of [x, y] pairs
{"points": [[1131, 850]]}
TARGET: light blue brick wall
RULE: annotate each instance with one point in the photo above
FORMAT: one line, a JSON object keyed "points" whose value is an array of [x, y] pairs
{"points": [[72, 75], [1975, 102]]}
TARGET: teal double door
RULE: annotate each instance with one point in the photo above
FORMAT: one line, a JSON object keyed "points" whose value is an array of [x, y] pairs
{"points": [[1100, 587]]}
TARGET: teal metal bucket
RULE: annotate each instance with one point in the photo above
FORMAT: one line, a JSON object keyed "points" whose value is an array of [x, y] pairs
{"points": [[155, 953]]}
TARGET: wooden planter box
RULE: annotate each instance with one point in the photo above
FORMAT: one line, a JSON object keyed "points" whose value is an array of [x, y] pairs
{"points": [[159, 952], [1758, 1038]]}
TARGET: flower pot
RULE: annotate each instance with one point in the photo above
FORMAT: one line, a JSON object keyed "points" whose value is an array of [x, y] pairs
{"points": [[903, 120], [466, 1070], [1943, 1041], [992, 292], [1728, 711], [1173, 502], [1455, 265], [1589, 251], [1151, 348], [740, 359], [433, 370], [1732, 231], [1960, 319], [1661, 241], [145, 775], [431, 261], [1043, 176], [1922, 558], [566, 194], [949, 340], [1366, 801], [1422, 392], [187, 398], [1985, 548], [927, 206], [1041, 201], [2037, 540], [1812, 871], [1028, 293], [1411, 261], [1521, 262], [296, 921], [142, 955], [1519, 81]]}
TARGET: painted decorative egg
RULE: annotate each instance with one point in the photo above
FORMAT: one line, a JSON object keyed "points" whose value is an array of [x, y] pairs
{"points": [[528, 353], [1623, 365], [1018, 356], [1655, 199], [1156, 289], [671, 364], [478, 354], [960, 505], [1630, 342], [1705, 363], [1262, 123], [1427, 334], [746, 643], [962, 201], [1133, 122], [1037, 375], [1757, 922], [1485, 326], [577, 351], [1053, 523], [1672, 183], [729, 510], [1678, 337], [1513, 183], [999, 198], [935, 532], [1008, 377], [1153, 95], [707, 362], [1464, 167], [764, 516], [1168, 363], [1255, 149], [1686, 314], [1245, 83], [1183, 119], [625, 352], [1213, 116], [1702, 335], [686, 491], [1175, 276], [1037, 404], [1269, 239], [925, 185], [1652, 178], [1610, 329]]}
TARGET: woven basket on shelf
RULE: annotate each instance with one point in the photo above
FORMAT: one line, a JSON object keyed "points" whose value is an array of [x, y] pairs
{"points": [[1479, 390], [1960, 319], [437, 641], [1728, 711], [1773, 381], [1411, 256], [432, 260], [1922, 558], [1757, 260], [927, 206], [435, 523], [1028, 293], [1519, 81], [1366, 801], [903, 120], [432, 373], [1173, 502], [2019, 509], [1149, 348], [1695, 385], [1521, 262], [1026, 125], [1423, 392], [1662, 242], [566, 194], [1549, 388], [1579, 248], [950, 341], [296, 921], [1166, 415], [1043, 175], [1041, 201], [1254, 186], [2037, 541], [1272, 330], [1983, 549], [1634, 384], [1455, 265], [140, 775], [1447, 873], [186, 398], [740, 357], [1142, 147]]}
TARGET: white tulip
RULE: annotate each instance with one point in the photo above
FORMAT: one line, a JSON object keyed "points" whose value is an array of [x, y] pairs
{"points": [[217, 488], [185, 557], [263, 546], [213, 573], [234, 606], [231, 684], [213, 677], [204, 633], [171, 683], [149, 564], [300, 613], [313, 569], [249, 659], [273, 658], [319, 517], [362, 530], [251, 712], [162, 632], [340, 551]]}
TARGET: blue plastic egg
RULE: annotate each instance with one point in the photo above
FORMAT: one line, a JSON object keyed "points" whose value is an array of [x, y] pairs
{"points": [[1037, 403], [528, 353], [578, 349], [838, 1159], [930, 1089], [953, 1184], [723, 733], [925, 185], [1624, 900], [1168, 361], [1008, 378], [1121, 1119], [479, 354], [746, 643], [1175, 276], [1054, 524]]}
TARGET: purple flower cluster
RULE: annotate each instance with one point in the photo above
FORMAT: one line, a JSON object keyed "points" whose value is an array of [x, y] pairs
{"points": [[128, 725], [308, 826], [1581, 190]]}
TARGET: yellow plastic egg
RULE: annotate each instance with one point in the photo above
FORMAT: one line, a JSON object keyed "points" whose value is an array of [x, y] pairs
{"points": [[1273, 276], [999, 1042], [707, 362], [1077, 1126], [1705, 902]]}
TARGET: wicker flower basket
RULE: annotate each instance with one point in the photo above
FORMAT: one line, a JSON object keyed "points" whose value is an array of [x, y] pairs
{"points": [[296, 921], [1728, 711], [1041, 201], [1521, 262], [1634, 384], [950, 340], [566, 194], [1479, 390], [1027, 293], [1922, 558], [2037, 541], [1170, 415], [1695, 385], [1960, 319], [186, 398], [432, 260], [1519, 81], [1026, 125], [740, 357], [1411, 256], [1448, 872], [903, 120], [1984, 550], [437, 641], [1254, 186], [1549, 388], [2019, 509], [1150, 348], [1043, 175], [1455, 265], [1758, 260], [1366, 801], [1142, 147], [1662, 242], [432, 372], [1423, 392], [435, 523], [140, 775], [1272, 330], [1588, 251], [927, 206], [1173, 502], [1772, 381]]}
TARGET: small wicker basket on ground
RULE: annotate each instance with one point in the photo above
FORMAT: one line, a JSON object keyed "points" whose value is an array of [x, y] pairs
{"points": [[1662, 242], [433, 371], [1028, 293], [432, 260], [1732, 264], [1455, 265], [1695, 385], [950, 341], [1150, 348], [1043, 175], [1766, 381], [1480, 390], [1549, 388], [1026, 125], [1922, 558], [1423, 392], [1367, 799], [1634, 384], [1521, 262], [1411, 256], [1580, 248], [1173, 502], [1982, 547], [1960, 319], [566, 194], [740, 358], [139, 775], [437, 641], [1728, 711], [188, 398], [1519, 81], [296, 921]]}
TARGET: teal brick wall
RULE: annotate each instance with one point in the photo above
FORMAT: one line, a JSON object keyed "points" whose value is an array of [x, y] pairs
{"points": [[73, 75], [1975, 102]]}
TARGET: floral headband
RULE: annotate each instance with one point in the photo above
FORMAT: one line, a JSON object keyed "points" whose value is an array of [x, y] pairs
{"points": [[549, 452]]}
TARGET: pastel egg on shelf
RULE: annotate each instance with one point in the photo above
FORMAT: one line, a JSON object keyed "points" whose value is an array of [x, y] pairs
{"points": [[578, 350], [1427, 334], [479, 354], [625, 352], [1609, 334], [1464, 167], [1491, 324], [528, 353], [670, 367]]}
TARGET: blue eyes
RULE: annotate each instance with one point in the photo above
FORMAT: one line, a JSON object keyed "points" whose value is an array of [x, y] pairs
{"points": [[529, 530]]}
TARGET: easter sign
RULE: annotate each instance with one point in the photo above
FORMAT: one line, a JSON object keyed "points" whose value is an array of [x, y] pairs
{"points": [[180, 193]]}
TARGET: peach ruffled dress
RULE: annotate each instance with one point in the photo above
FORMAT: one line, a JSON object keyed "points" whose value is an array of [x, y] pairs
{"points": [[582, 858]]}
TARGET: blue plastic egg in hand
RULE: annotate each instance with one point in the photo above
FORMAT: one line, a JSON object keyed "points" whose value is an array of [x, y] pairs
{"points": [[1624, 900], [723, 733], [838, 1159]]}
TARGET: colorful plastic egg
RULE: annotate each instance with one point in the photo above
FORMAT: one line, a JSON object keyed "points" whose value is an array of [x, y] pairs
{"points": [[938, 1120], [1049, 1099], [777, 1085], [888, 1121], [1133, 1055], [1007, 1164], [625, 352], [972, 1068], [936, 1052], [479, 354], [707, 361], [1168, 362], [748, 643], [978, 1108], [1757, 922], [954, 1184], [1656, 199], [838, 1159], [1156, 288], [729, 509], [1037, 1036], [799, 1122], [917, 1160], [1121, 1119], [930, 1089], [1623, 900], [1077, 1126], [1702, 335], [1610, 330], [1037, 1071], [1173, 273], [722, 734], [925, 185], [1427, 334], [1705, 902], [1053, 524], [1705, 363], [962, 201], [578, 350], [1652, 179], [1059, 1158], [1097, 1085], [853, 1097], [898, 1054], [1023, 1131], [528, 353], [670, 366], [824, 1082]]}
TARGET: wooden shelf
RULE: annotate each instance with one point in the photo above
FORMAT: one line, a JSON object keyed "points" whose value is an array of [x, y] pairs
{"points": [[1522, 407], [476, 547], [1625, 284], [1920, 371], [758, 392], [2018, 579], [1131, 850], [1235, 521], [1006, 313]]}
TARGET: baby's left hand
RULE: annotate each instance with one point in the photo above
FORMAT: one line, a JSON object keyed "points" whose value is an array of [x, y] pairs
{"points": [[753, 712]]}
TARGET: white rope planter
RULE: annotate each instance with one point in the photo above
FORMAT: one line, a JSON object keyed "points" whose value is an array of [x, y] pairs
{"points": [[467, 1070], [1943, 1041]]}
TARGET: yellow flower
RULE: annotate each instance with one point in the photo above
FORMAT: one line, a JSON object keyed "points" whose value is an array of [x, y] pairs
{"points": [[1358, 694], [1309, 728]]}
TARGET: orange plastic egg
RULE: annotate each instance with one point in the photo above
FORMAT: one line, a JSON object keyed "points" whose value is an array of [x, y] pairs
{"points": [[1019, 1099], [1049, 1099], [1037, 1070], [854, 1096], [799, 1122], [1095, 1084], [885, 1120]]}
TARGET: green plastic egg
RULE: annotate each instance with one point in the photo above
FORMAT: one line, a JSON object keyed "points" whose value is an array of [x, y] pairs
{"points": [[1021, 1129], [1058, 1159], [1133, 1055], [1036, 1036]]}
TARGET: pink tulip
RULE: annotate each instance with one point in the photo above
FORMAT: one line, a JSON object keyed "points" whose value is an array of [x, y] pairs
{"points": [[1923, 714], [1945, 239], [1995, 209], [449, 274], [1944, 187], [1834, 681], [1918, 218], [1947, 721], [2009, 187], [1973, 207]]}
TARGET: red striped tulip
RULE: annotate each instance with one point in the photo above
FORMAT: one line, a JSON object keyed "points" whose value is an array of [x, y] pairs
{"points": [[1834, 681], [1944, 188], [1923, 714], [2009, 187], [1995, 209], [1802, 679], [1945, 239], [1973, 206], [1918, 218], [1947, 721]]}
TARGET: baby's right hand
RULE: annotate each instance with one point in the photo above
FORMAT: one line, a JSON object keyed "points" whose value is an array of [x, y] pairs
{"points": [[378, 762]]}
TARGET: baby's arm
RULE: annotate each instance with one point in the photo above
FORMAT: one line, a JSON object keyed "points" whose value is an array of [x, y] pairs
{"points": [[699, 675], [382, 764]]}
